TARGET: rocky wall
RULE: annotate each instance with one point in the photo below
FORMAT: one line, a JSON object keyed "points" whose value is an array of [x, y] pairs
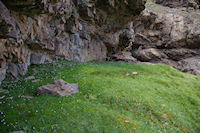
{"points": [[41, 31]]}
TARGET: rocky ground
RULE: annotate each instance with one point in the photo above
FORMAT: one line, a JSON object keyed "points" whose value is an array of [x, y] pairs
{"points": [[38, 32]]}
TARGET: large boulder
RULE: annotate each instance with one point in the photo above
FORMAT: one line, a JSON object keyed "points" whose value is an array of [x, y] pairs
{"points": [[150, 54], [165, 27], [58, 88]]}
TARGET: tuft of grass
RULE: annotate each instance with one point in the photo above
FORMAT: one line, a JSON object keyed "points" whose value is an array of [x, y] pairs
{"points": [[111, 99]]}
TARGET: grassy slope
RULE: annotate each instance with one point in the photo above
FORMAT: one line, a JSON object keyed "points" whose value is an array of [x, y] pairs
{"points": [[158, 99]]}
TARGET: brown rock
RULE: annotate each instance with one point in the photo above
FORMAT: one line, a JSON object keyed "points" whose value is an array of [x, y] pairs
{"points": [[58, 88]]}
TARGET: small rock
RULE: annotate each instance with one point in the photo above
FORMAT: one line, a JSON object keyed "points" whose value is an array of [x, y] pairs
{"points": [[29, 97], [4, 91], [58, 88], [29, 78], [36, 80]]}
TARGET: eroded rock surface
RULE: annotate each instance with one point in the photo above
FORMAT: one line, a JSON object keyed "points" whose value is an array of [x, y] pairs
{"points": [[58, 88], [40, 31], [167, 33]]}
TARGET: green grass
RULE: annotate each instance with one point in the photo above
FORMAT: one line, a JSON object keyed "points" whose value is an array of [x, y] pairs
{"points": [[157, 99]]}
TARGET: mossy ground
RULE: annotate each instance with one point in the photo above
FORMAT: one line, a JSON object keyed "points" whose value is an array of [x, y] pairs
{"points": [[157, 99]]}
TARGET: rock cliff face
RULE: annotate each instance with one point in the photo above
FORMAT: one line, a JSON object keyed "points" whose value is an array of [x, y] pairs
{"points": [[167, 32], [40, 31]]}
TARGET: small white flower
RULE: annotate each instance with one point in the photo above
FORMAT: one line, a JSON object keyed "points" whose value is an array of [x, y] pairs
{"points": [[163, 105], [126, 121], [134, 73]]}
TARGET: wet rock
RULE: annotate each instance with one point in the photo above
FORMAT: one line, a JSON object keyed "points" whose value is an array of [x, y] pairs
{"points": [[58, 88]]}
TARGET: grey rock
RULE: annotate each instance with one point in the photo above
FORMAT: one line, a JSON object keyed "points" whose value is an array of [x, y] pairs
{"points": [[150, 54], [15, 70], [28, 97], [124, 56], [37, 58], [191, 65], [58, 88]]}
